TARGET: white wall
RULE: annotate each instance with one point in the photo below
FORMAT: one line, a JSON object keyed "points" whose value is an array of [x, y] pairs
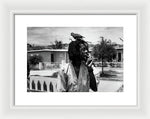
{"points": [[5, 52]]}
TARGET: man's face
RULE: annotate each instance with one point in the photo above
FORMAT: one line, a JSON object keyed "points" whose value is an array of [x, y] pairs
{"points": [[83, 52]]}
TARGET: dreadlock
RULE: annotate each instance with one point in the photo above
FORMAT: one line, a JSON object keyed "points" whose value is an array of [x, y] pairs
{"points": [[74, 50]]}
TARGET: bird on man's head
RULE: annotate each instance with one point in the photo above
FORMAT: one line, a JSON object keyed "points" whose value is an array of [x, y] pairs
{"points": [[77, 36]]}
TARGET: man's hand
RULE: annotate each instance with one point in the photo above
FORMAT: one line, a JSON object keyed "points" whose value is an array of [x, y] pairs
{"points": [[89, 62]]}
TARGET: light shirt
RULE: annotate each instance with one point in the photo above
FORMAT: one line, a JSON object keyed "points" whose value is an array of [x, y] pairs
{"points": [[68, 81]]}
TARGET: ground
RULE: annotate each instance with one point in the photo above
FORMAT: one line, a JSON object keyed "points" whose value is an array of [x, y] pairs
{"points": [[111, 83]]}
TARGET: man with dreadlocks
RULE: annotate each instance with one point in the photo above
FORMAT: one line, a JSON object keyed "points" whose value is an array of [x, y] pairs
{"points": [[78, 76]]}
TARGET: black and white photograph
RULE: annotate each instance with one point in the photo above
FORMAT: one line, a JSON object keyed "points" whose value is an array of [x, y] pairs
{"points": [[75, 59]]}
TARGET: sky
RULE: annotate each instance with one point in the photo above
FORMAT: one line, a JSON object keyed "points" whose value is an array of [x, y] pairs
{"points": [[47, 35]]}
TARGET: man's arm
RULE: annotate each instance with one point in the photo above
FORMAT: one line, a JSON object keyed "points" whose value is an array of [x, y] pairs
{"points": [[93, 84]]}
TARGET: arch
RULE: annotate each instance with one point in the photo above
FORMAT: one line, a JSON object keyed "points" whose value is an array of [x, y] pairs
{"points": [[44, 86], [51, 87], [33, 85], [28, 84], [39, 85]]}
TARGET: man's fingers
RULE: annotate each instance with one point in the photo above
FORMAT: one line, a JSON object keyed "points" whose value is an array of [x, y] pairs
{"points": [[90, 63]]}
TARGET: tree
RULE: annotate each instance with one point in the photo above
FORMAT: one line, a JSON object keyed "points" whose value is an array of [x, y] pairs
{"points": [[57, 45], [104, 51], [35, 59], [29, 46]]}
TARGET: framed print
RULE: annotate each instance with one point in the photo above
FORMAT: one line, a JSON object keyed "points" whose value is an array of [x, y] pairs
{"points": [[75, 60]]}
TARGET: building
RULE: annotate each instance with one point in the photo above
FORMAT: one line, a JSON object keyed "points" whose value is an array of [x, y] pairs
{"points": [[50, 57], [119, 54]]}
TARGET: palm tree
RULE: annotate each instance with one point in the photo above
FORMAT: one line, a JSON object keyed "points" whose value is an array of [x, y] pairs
{"points": [[104, 51], [57, 45]]}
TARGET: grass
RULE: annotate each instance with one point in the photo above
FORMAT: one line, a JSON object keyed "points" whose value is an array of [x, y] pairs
{"points": [[109, 74]]}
